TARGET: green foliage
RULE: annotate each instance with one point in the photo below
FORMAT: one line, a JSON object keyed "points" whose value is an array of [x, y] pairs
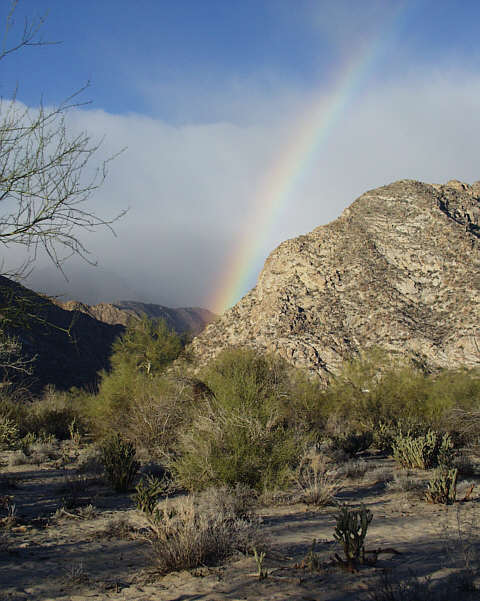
{"points": [[118, 459], [147, 492], [139, 357], [8, 433], [243, 434], [442, 487], [146, 346], [423, 452], [376, 387], [351, 529]]}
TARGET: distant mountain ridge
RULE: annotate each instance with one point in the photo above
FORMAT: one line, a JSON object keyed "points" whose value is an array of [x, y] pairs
{"points": [[71, 341], [399, 269], [183, 320]]}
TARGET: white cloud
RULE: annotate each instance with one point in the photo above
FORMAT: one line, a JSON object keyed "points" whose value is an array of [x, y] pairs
{"points": [[190, 187]]}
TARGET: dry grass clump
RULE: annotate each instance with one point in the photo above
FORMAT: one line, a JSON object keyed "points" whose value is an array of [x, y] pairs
{"points": [[391, 587], [118, 528], [201, 530], [380, 473], [317, 484], [353, 469], [461, 536], [18, 458], [404, 481]]}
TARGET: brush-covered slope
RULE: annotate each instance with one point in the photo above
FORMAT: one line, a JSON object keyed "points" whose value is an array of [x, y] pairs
{"points": [[72, 342], [190, 320], [399, 269], [69, 347]]}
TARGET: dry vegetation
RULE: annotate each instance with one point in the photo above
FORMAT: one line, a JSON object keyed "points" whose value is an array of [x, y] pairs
{"points": [[250, 475]]}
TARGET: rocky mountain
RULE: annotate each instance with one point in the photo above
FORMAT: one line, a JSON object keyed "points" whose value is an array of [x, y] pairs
{"points": [[190, 320], [399, 269], [71, 342]]}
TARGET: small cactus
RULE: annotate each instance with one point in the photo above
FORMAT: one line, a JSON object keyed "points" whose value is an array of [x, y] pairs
{"points": [[118, 458], [442, 487], [8, 433], [147, 492], [351, 529]]}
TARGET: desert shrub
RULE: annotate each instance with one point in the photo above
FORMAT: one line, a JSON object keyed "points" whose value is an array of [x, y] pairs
{"points": [[228, 446], [143, 351], [18, 457], [242, 433], [352, 443], [423, 452], [193, 531], [377, 387], [316, 483], [118, 458], [53, 415]]}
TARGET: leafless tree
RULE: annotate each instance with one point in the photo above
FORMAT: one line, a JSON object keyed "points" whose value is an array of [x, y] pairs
{"points": [[44, 186], [47, 175]]}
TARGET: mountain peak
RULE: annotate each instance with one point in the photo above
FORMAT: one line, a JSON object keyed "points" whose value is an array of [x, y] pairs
{"points": [[398, 269]]}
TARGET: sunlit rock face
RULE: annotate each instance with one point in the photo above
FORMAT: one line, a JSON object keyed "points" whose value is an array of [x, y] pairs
{"points": [[398, 269]]}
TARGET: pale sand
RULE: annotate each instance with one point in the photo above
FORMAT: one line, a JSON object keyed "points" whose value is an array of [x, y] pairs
{"points": [[73, 559]]}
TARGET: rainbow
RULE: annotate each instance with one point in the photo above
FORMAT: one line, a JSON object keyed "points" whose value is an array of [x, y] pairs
{"points": [[311, 133]]}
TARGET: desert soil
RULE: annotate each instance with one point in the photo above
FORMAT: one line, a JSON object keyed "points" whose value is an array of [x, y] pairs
{"points": [[93, 549]]}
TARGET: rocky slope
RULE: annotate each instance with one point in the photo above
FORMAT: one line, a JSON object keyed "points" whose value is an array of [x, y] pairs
{"points": [[400, 269], [183, 320]]}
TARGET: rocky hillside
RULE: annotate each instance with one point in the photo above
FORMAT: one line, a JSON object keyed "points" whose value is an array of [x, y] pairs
{"points": [[183, 320], [400, 269]]}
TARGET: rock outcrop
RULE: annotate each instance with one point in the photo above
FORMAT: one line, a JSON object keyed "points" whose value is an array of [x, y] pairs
{"points": [[399, 269]]}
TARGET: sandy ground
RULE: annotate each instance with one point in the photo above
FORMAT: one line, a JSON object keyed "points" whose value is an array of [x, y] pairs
{"points": [[97, 552]]}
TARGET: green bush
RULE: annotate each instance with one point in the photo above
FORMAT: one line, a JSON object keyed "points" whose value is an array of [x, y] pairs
{"points": [[118, 459], [133, 396], [352, 443], [377, 387], [242, 434]]}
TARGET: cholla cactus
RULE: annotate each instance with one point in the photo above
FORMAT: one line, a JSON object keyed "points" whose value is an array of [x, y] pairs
{"points": [[423, 452], [351, 529], [442, 487], [8, 433]]}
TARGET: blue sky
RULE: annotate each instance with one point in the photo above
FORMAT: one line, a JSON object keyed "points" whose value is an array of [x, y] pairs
{"points": [[205, 93]]}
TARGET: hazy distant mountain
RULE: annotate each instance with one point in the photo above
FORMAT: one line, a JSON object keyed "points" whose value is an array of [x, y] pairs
{"points": [[69, 347], [72, 341], [399, 269], [183, 320]]}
